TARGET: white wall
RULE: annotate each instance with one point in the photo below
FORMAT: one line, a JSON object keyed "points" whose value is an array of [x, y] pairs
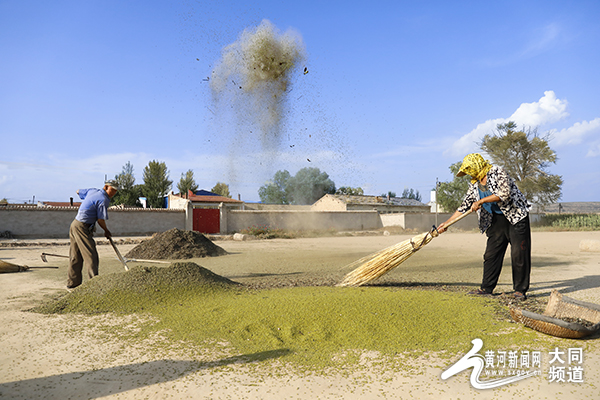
{"points": [[303, 220], [26, 222]]}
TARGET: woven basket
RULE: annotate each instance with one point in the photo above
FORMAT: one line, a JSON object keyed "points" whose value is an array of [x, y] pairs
{"points": [[560, 306]]}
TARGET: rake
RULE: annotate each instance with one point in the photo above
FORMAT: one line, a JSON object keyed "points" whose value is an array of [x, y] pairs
{"points": [[123, 260], [377, 264]]}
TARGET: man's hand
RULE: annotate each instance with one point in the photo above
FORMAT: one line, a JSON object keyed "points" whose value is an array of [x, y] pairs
{"points": [[102, 224]]}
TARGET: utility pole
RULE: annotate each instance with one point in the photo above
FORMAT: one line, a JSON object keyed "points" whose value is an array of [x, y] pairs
{"points": [[437, 183]]}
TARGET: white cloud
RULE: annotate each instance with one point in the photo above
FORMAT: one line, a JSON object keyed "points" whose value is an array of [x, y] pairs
{"points": [[547, 110], [576, 133], [536, 42], [468, 143], [594, 150], [543, 40]]}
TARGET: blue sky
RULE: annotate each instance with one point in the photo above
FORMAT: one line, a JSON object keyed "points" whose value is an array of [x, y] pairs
{"points": [[396, 92]]}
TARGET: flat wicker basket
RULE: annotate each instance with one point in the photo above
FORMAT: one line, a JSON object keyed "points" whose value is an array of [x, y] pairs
{"points": [[560, 306]]}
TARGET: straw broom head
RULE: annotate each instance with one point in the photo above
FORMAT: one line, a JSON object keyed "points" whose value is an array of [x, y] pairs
{"points": [[377, 264]]}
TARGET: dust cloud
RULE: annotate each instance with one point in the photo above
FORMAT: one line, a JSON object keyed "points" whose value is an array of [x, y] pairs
{"points": [[254, 78], [266, 109]]}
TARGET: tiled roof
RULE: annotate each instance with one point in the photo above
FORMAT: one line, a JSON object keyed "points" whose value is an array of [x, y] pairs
{"points": [[211, 199], [394, 201], [61, 203]]}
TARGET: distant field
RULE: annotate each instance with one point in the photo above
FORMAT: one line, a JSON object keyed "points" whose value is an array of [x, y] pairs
{"points": [[576, 207]]}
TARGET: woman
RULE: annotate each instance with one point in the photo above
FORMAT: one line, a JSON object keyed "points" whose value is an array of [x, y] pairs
{"points": [[503, 213]]}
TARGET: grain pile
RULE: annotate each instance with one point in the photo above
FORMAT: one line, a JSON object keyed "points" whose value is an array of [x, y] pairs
{"points": [[138, 289], [175, 244]]}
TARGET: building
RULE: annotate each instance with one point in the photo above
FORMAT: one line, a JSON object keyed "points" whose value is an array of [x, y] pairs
{"points": [[206, 208], [384, 205]]}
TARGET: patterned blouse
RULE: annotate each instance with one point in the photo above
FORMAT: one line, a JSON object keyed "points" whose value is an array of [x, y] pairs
{"points": [[513, 203]]}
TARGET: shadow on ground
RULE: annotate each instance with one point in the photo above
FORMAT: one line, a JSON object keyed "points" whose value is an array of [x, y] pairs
{"points": [[123, 378]]}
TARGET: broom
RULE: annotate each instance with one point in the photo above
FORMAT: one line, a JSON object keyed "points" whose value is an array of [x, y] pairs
{"points": [[377, 264]]}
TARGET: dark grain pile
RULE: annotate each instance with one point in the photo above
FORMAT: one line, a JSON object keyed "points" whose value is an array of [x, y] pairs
{"points": [[175, 244]]}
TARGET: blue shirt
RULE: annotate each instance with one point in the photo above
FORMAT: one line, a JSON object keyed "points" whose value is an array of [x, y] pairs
{"points": [[94, 206], [492, 208]]}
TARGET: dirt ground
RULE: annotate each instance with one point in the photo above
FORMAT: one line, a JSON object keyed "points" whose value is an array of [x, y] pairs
{"points": [[62, 356]]}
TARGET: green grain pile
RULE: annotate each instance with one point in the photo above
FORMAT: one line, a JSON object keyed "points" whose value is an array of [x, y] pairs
{"points": [[175, 244], [312, 327], [139, 289]]}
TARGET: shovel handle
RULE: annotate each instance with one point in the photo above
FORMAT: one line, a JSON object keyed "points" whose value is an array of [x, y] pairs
{"points": [[119, 256]]}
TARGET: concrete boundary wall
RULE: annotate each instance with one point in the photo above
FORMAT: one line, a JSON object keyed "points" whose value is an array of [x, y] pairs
{"points": [[236, 220], [28, 222], [424, 222], [31, 222]]}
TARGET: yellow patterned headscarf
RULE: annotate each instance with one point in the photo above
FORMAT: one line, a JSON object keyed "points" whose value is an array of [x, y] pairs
{"points": [[474, 165]]}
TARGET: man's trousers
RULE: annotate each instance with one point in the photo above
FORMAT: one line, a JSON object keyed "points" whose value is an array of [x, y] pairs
{"points": [[82, 251]]}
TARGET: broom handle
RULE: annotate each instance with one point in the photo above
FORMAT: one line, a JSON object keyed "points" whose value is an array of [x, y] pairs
{"points": [[458, 218]]}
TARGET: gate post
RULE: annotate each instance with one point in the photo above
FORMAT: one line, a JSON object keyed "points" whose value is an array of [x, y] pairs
{"points": [[222, 219], [189, 216]]}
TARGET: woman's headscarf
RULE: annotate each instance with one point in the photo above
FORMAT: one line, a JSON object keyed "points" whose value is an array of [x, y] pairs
{"points": [[474, 165]]}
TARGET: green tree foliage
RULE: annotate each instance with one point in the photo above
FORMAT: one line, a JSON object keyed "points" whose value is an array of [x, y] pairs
{"points": [[451, 194], [411, 194], [4, 201], [309, 185], [350, 191], [128, 193], [156, 183], [186, 183], [306, 187], [221, 189], [390, 194], [275, 191], [525, 155]]}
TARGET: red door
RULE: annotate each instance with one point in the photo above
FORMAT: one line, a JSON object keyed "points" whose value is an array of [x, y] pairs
{"points": [[207, 220]]}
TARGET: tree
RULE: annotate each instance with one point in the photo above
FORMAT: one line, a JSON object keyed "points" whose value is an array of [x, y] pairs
{"points": [[309, 185], [221, 189], [390, 194], [306, 187], [411, 194], [350, 191], [275, 191], [156, 183], [525, 155], [128, 194], [451, 194], [187, 183]]}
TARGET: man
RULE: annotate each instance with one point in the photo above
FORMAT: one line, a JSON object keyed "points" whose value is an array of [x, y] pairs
{"points": [[94, 208], [503, 213]]}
